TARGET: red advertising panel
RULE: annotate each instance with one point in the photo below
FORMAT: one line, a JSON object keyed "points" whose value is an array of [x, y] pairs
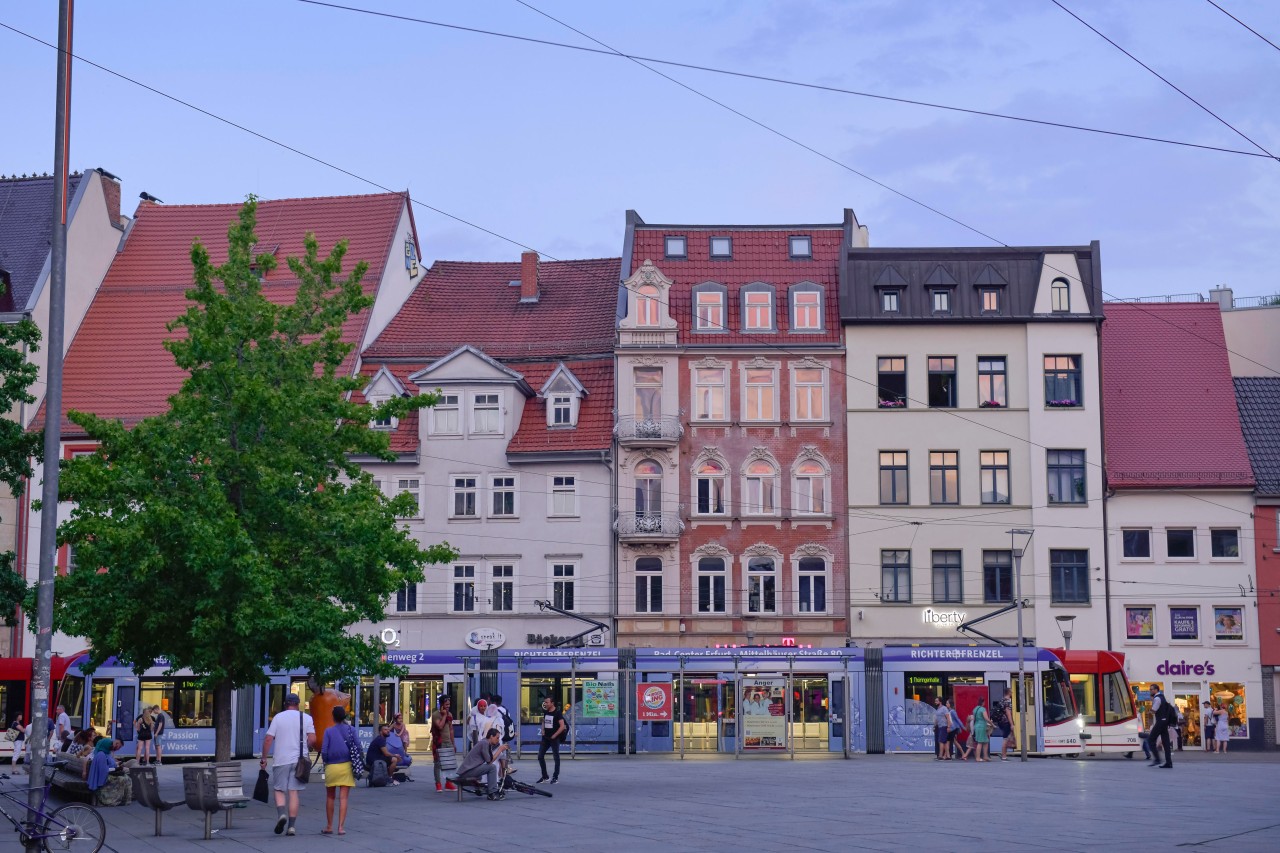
{"points": [[653, 701]]}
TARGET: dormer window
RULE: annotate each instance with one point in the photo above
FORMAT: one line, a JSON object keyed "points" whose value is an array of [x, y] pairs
{"points": [[941, 299], [757, 308], [1060, 295], [722, 248], [709, 308], [889, 303], [385, 422], [647, 313], [562, 411], [563, 395], [676, 247], [800, 246]]}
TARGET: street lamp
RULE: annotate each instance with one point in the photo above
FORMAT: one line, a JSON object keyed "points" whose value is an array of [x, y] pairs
{"points": [[1064, 628], [1022, 681]]}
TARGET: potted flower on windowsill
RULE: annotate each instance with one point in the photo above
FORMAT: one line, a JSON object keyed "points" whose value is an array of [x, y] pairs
{"points": [[892, 404], [1063, 404], [991, 404]]}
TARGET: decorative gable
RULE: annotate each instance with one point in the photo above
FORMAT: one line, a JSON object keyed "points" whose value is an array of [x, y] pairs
{"points": [[468, 364], [647, 300], [381, 388], [563, 394]]}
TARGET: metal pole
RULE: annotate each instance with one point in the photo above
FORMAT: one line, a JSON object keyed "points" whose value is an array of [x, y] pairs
{"points": [[1022, 681], [848, 705], [53, 416], [573, 691], [789, 707], [629, 685], [737, 710], [680, 701]]}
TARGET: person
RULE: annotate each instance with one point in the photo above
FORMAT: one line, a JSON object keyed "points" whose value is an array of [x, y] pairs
{"points": [[1158, 737], [441, 735], [336, 751], [553, 732], [17, 737], [953, 732], [482, 762], [1222, 727], [981, 732], [379, 751], [82, 744], [497, 717], [63, 722], [941, 725], [477, 722], [143, 725], [398, 740], [1181, 728], [284, 742], [161, 725], [103, 762], [757, 704], [1207, 724], [1002, 718]]}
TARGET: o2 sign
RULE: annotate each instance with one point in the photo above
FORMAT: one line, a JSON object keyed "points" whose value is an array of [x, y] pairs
{"points": [[391, 638]]}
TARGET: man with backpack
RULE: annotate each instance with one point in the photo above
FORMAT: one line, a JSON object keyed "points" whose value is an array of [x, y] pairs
{"points": [[1165, 716], [1002, 718], [501, 720]]}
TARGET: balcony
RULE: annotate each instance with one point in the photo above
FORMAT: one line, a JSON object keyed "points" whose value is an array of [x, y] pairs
{"points": [[662, 431], [648, 526]]}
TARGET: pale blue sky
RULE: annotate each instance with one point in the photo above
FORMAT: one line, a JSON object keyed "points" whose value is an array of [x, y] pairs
{"points": [[550, 147]]}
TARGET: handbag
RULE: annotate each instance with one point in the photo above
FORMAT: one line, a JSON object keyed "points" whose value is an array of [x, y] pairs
{"points": [[302, 770], [262, 790], [448, 758], [357, 758]]}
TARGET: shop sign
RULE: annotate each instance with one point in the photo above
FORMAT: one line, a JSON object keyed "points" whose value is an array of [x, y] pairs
{"points": [[942, 618], [485, 638], [1184, 623], [600, 699], [1183, 668], [653, 701], [391, 637], [764, 721]]}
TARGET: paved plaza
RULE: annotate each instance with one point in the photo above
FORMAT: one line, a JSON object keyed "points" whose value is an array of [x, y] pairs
{"points": [[768, 803]]}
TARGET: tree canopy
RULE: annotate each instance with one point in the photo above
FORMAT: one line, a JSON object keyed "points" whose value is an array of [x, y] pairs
{"points": [[234, 531], [17, 446]]}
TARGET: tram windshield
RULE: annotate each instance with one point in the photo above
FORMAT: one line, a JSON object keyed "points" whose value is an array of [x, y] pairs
{"points": [[1059, 704], [71, 696]]}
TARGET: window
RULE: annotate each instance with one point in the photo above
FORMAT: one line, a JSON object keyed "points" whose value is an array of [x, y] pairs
{"points": [[676, 247], [1181, 543], [806, 310], [1224, 544], [411, 487], [464, 497], [813, 585], [1060, 295], [711, 585], [710, 311], [709, 393], [941, 301], [564, 495], [71, 559], [1228, 623], [811, 488], [944, 477], [647, 313], [993, 382], [761, 397], [722, 247], [895, 577], [760, 489], [562, 586], [757, 306], [1069, 576], [561, 411], [503, 492], [1184, 623], [800, 247], [762, 585], [1139, 623], [1136, 544], [889, 303], [383, 422], [407, 598], [504, 584], [942, 383], [893, 477], [710, 484], [445, 418], [647, 382], [1066, 476], [997, 577], [946, 577], [464, 589], [648, 488], [994, 474], [990, 297], [648, 585], [891, 381], [1062, 381], [809, 389], [485, 415]]}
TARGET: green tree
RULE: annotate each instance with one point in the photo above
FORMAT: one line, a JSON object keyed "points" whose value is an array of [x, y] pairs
{"points": [[17, 446], [234, 531]]}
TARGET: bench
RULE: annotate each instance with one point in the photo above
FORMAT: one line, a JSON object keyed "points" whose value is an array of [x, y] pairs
{"points": [[69, 778], [146, 791], [211, 788]]}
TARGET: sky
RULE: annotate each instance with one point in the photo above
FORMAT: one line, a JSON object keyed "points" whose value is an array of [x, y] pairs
{"points": [[549, 147]]}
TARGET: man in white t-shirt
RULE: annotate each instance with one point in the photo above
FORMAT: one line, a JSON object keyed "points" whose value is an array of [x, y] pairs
{"points": [[283, 742], [63, 723]]}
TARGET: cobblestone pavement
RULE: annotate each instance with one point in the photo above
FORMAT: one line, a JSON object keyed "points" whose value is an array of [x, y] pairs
{"points": [[768, 803]]}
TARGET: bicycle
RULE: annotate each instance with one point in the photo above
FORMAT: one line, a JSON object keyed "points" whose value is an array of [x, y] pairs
{"points": [[74, 826], [506, 783]]}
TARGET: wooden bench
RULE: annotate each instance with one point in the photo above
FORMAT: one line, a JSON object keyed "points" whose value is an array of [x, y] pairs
{"points": [[146, 791], [212, 788], [69, 778]]}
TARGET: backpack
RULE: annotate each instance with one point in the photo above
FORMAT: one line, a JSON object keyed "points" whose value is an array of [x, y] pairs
{"points": [[379, 777], [508, 727], [1167, 713], [998, 715]]}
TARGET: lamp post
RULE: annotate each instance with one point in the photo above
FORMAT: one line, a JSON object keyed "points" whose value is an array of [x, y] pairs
{"points": [[1022, 681], [1064, 628]]}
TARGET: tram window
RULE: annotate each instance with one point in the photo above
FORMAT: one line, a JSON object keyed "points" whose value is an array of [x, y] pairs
{"points": [[72, 698], [194, 706], [1085, 688], [1117, 701], [1059, 705]]}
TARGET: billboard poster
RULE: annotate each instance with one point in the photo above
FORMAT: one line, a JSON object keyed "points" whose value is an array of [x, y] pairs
{"points": [[1184, 623], [764, 720], [600, 699], [653, 701]]}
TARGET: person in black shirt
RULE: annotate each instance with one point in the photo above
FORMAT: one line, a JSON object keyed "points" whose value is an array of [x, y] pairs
{"points": [[553, 732]]}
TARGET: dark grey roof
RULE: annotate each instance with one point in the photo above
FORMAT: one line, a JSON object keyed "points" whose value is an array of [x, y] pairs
{"points": [[1258, 398], [26, 221]]}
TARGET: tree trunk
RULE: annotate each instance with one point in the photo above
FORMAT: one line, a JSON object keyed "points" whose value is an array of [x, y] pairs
{"points": [[222, 711]]}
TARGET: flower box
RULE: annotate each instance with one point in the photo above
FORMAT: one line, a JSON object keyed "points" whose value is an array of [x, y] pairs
{"points": [[893, 404], [1063, 404], [991, 404]]}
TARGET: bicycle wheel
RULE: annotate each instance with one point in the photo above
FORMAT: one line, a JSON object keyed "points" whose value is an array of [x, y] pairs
{"points": [[74, 827], [526, 788]]}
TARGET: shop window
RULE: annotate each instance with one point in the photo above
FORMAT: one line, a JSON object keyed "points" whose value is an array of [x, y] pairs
{"points": [[1181, 543], [1137, 544], [1066, 476], [1228, 624], [464, 589], [1224, 543], [893, 477], [1184, 623], [504, 584], [997, 577], [895, 577], [711, 581], [944, 477], [649, 585], [1139, 623], [762, 585], [994, 474], [993, 382], [1069, 576], [1062, 381], [942, 383], [946, 578], [891, 382], [1228, 696], [813, 585]]}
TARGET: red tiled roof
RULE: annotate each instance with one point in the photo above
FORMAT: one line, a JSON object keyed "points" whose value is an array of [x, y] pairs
{"points": [[758, 255], [117, 366], [1169, 402], [595, 417], [465, 302]]}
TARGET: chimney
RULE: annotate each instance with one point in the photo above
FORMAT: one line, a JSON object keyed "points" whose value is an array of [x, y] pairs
{"points": [[529, 277], [1224, 296]]}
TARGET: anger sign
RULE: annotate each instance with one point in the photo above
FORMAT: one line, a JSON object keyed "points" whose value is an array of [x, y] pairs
{"points": [[653, 701]]}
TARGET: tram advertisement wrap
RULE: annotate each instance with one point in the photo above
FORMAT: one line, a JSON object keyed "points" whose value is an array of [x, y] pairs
{"points": [[764, 721], [653, 701], [600, 699]]}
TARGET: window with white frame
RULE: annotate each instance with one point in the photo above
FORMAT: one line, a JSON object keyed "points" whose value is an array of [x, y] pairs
{"points": [[1224, 543], [647, 298], [464, 588], [709, 487], [446, 416], [889, 302], [504, 588], [809, 392], [648, 475], [709, 393], [806, 310], [71, 558], [649, 585], [812, 591], [562, 585], [502, 490], [762, 585], [760, 488], [709, 305], [562, 410], [647, 383], [413, 487], [564, 495], [1180, 543], [407, 598], [1060, 294], [1136, 543], [383, 422], [711, 585], [810, 489], [757, 309], [941, 300], [760, 397], [486, 414], [465, 493], [993, 471]]}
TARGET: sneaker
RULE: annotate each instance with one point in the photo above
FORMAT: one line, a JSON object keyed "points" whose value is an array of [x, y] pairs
{"points": [[555, 779], [540, 781], [280, 823], [449, 786], [394, 783], [291, 831], [439, 788]]}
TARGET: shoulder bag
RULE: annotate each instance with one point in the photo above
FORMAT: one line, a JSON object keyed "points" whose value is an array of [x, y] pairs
{"points": [[353, 750], [302, 770]]}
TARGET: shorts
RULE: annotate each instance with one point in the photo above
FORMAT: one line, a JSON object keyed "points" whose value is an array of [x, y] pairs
{"points": [[339, 775], [282, 779], [1006, 730]]}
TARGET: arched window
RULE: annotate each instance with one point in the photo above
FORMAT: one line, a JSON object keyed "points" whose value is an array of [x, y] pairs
{"points": [[811, 488], [648, 488], [647, 297], [811, 578], [1060, 292], [709, 485], [760, 488], [762, 585]]}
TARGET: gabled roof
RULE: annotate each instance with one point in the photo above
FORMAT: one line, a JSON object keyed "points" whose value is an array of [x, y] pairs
{"points": [[384, 378], [1259, 400], [423, 376], [1168, 399], [26, 223], [562, 372], [467, 302], [594, 431], [117, 366]]}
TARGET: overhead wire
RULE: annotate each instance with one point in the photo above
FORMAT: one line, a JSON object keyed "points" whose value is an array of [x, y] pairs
{"points": [[1243, 24]]}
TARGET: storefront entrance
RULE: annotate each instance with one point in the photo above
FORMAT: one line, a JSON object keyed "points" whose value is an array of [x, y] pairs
{"points": [[705, 712], [811, 713]]}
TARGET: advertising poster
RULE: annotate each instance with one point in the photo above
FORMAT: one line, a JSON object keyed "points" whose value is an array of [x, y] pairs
{"points": [[653, 701], [1228, 623], [600, 699], [1184, 623], [1140, 623], [764, 721]]}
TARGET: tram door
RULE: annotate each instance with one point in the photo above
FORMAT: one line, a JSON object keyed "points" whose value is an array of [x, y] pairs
{"points": [[418, 697], [810, 709], [703, 703], [101, 708], [1033, 705]]}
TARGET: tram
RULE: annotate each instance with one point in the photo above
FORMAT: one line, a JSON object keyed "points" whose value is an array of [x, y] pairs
{"points": [[1104, 699]]}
